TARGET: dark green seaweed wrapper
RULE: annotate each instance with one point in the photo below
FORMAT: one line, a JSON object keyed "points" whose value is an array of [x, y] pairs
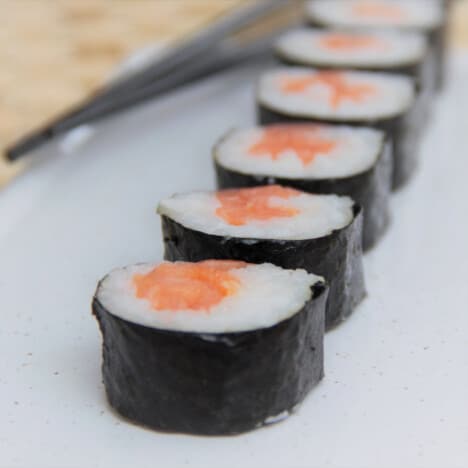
{"points": [[370, 189], [212, 384], [337, 257], [438, 42], [403, 131]]}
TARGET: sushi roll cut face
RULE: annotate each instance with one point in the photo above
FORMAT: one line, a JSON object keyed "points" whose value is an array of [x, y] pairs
{"points": [[352, 49], [213, 296], [269, 212], [427, 16], [301, 151], [206, 348], [315, 158], [376, 99], [337, 96], [407, 14], [275, 224]]}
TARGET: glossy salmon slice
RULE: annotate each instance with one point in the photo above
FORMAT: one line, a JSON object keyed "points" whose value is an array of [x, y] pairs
{"points": [[350, 42], [240, 206], [188, 286], [378, 10], [340, 88], [304, 140]]}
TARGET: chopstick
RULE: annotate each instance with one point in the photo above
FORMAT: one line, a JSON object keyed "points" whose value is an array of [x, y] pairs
{"points": [[221, 59], [197, 46], [190, 61]]}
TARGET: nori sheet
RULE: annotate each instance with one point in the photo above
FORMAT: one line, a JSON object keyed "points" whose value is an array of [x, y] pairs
{"points": [[212, 384], [337, 257], [438, 42], [371, 189]]}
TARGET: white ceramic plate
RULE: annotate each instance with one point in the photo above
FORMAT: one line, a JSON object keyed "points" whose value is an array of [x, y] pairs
{"points": [[396, 386]]}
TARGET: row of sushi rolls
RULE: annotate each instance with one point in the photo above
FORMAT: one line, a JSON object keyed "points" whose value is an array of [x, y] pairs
{"points": [[226, 334]]}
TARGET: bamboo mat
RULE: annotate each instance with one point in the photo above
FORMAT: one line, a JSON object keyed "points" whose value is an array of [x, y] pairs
{"points": [[54, 53]]}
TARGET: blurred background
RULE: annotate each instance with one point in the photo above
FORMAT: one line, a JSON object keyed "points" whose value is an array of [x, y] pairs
{"points": [[54, 53]]}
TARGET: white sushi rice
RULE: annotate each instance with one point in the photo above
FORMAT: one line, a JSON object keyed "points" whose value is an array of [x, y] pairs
{"points": [[421, 14], [394, 95], [318, 216], [391, 49], [356, 150], [267, 295]]}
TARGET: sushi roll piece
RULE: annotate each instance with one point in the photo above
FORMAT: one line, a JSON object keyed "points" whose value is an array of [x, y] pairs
{"points": [[272, 224], [313, 158], [354, 98], [425, 16], [209, 348], [390, 51], [399, 52]]}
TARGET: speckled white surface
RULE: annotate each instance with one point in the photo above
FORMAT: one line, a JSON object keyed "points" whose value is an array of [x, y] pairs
{"points": [[395, 393]]}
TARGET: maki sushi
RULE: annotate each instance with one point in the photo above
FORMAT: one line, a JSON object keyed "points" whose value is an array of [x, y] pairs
{"points": [[316, 159], [357, 98], [373, 50], [292, 229], [405, 53], [425, 16], [212, 348]]}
